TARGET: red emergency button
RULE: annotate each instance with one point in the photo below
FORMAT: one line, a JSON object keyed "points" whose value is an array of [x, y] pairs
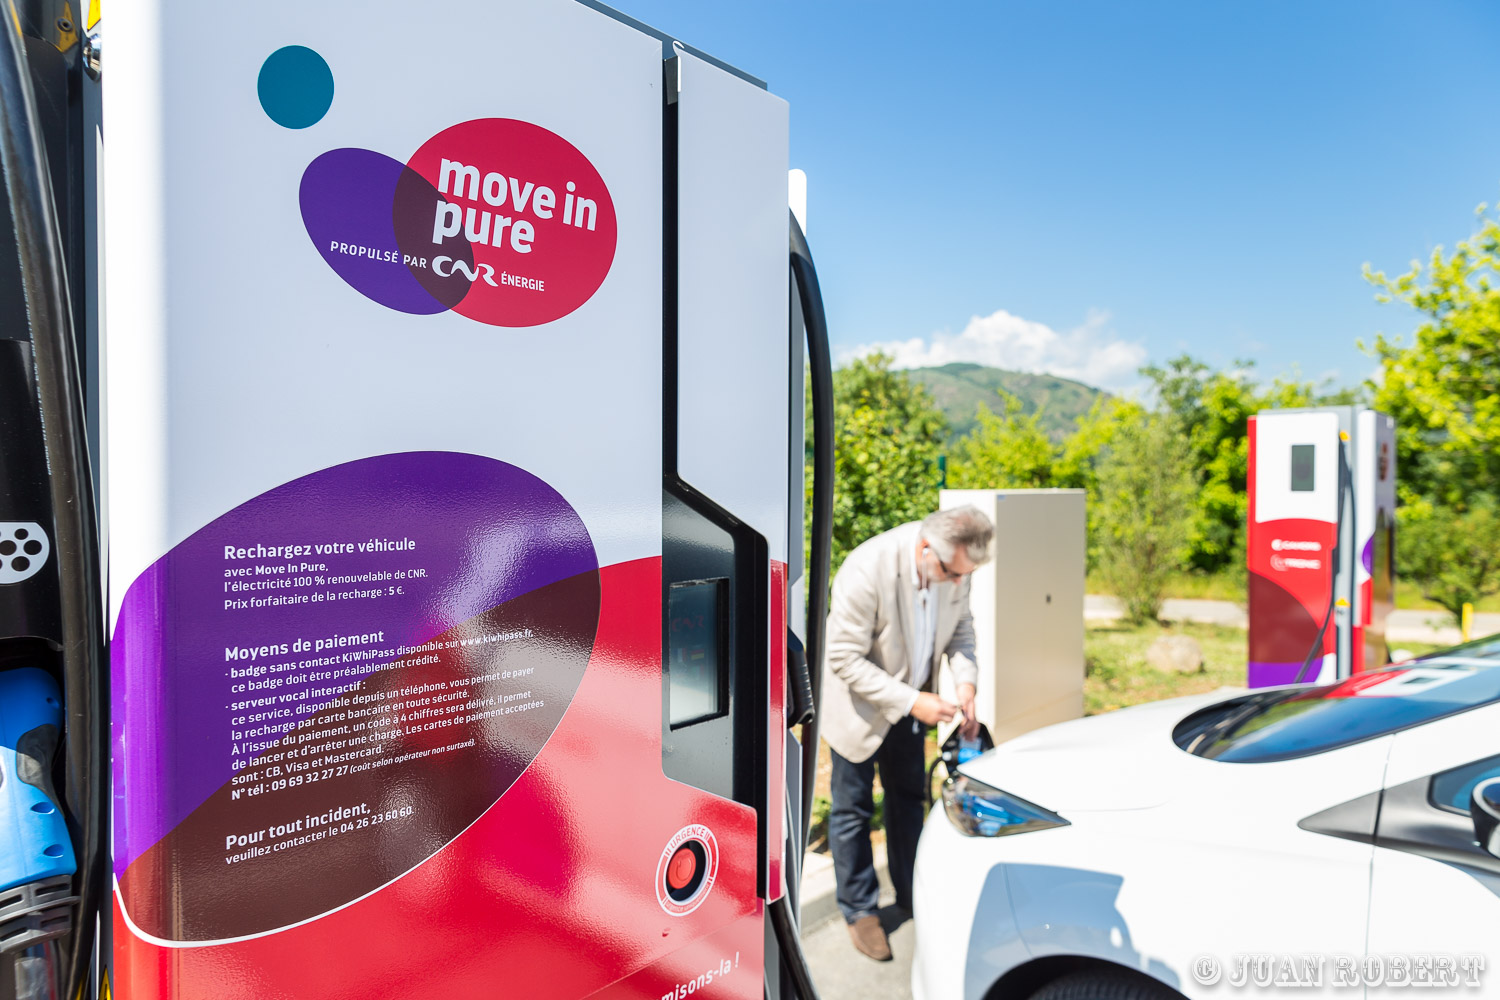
{"points": [[682, 868], [686, 869]]}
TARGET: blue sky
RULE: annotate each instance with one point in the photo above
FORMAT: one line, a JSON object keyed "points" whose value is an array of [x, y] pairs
{"points": [[1083, 187]]}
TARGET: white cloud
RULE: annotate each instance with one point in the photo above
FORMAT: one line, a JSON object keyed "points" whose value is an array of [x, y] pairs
{"points": [[1090, 353]]}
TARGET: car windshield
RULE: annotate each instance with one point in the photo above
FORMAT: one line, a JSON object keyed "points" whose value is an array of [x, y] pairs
{"points": [[1295, 722]]}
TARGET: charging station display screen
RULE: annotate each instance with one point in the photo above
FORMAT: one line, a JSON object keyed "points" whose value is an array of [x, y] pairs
{"points": [[1302, 467], [696, 660]]}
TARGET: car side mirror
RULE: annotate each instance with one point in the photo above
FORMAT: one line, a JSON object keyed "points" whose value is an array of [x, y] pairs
{"points": [[1484, 806]]}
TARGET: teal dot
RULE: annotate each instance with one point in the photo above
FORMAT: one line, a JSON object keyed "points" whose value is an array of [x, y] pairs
{"points": [[295, 86]]}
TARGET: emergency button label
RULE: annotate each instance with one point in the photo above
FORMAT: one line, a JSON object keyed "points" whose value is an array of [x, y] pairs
{"points": [[687, 870]]}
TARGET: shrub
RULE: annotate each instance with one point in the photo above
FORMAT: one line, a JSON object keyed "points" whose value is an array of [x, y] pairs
{"points": [[1145, 513], [1454, 556]]}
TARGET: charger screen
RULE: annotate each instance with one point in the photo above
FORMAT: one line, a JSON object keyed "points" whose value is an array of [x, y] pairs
{"points": [[697, 666], [1302, 467]]}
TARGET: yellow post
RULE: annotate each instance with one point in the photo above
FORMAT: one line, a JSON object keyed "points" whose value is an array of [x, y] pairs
{"points": [[1466, 621]]}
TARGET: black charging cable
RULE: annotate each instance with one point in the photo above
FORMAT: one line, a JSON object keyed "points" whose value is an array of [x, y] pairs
{"points": [[820, 374], [942, 758], [44, 286], [949, 756], [1345, 484]]}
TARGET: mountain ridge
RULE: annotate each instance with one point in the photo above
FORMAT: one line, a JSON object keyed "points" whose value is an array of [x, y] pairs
{"points": [[960, 387]]}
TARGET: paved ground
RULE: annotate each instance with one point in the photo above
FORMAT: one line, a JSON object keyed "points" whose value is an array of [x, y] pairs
{"points": [[1401, 626], [841, 973]]}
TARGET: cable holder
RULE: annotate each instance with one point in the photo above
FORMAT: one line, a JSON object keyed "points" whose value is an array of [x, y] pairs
{"points": [[36, 912]]}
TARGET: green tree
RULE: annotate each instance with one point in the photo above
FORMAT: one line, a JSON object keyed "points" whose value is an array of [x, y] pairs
{"points": [[1443, 387], [1080, 454], [1453, 557], [1077, 462], [1143, 527], [888, 434], [1003, 451], [1214, 408]]}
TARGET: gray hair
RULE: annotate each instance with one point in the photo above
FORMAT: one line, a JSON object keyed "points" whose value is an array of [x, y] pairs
{"points": [[945, 530]]}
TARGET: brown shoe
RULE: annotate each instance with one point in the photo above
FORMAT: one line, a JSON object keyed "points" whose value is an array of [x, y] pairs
{"points": [[869, 938]]}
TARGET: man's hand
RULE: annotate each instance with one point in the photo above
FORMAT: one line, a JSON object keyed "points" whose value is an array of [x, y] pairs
{"points": [[970, 728], [932, 710]]}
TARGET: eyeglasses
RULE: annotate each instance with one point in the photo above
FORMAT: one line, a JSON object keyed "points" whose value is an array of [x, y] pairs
{"points": [[947, 573]]}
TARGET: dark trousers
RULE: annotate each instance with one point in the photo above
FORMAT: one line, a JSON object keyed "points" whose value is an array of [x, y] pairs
{"points": [[901, 775]]}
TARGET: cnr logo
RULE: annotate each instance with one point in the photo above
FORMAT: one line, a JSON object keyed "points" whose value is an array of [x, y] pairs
{"points": [[483, 270]]}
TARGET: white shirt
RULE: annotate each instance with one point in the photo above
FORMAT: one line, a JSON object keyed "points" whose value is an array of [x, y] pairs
{"points": [[924, 629]]}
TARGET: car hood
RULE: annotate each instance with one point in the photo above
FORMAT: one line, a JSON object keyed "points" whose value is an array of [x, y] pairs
{"points": [[1120, 760]]}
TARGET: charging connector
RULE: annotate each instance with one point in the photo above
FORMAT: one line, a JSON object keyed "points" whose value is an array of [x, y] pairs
{"points": [[37, 862]]}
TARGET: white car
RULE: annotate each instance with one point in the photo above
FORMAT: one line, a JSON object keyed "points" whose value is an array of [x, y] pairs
{"points": [[1339, 839]]}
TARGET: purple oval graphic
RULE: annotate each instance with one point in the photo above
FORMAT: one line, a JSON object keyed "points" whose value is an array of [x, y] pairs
{"points": [[350, 206], [329, 683]]}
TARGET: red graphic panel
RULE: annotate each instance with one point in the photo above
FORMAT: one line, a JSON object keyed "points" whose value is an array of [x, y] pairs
{"points": [[725, 966], [776, 744], [550, 893], [1289, 587]]}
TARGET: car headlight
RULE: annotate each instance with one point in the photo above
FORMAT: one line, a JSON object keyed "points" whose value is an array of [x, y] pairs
{"points": [[981, 811]]}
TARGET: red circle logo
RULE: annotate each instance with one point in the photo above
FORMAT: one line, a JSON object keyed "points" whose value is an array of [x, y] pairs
{"points": [[513, 225]]}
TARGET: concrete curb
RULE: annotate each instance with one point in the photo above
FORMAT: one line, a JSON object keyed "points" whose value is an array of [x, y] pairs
{"points": [[819, 904]]}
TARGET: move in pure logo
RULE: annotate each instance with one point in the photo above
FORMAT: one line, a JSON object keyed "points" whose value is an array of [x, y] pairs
{"points": [[497, 219]]}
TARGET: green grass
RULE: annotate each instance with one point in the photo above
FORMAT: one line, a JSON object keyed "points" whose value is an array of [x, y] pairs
{"points": [[1116, 674], [1231, 587], [1204, 586], [1408, 595]]}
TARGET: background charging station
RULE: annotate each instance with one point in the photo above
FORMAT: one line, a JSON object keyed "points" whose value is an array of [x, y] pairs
{"points": [[1321, 542]]}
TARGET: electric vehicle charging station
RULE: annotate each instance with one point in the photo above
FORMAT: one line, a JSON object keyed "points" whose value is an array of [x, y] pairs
{"points": [[1321, 525], [450, 413]]}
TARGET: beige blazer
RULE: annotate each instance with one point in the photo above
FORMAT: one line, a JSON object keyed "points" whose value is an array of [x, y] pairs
{"points": [[866, 671]]}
